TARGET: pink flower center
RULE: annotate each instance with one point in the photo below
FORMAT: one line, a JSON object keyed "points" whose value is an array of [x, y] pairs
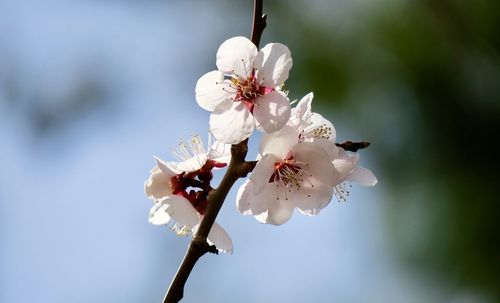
{"points": [[195, 186], [288, 173], [247, 90]]}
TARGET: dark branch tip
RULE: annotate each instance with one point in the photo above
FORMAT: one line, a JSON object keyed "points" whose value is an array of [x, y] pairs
{"points": [[213, 249], [353, 146]]}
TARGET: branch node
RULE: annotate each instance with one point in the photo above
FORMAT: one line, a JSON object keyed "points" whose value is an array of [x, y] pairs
{"points": [[199, 246], [213, 249], [246, 168]]}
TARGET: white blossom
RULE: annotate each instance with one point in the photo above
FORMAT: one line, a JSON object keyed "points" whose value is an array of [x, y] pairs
{"points": [[179, 189], [244, 92], [300, 167], [302, 178], [303, 126]]}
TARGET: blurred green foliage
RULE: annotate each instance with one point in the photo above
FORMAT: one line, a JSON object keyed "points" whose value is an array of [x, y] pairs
{"points": [[421, 81]]}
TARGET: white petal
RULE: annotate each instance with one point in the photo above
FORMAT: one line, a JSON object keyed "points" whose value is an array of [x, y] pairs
{"points": [[343, 168], [318, 162], [219, 151], [158, 185], [213, 91], [362, 176], [275, 62], [168, 168], [177, 208], [329, 147], [158, 214], [272, 194], [219, 237], [278, 213], [236, 55], [271, 206], [189, 165], [318, 120], [249, 203], [244, 197], [303, 108], [262, 172], [312, 196], [345, 164], [279, 143], [271, 111], [233, 125]]}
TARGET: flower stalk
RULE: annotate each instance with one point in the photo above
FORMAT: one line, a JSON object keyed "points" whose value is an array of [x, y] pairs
{"points": [[238, 168]]}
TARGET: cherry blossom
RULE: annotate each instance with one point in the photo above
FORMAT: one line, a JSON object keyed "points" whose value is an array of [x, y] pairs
{"points": [[300, 167], [302, 177], [347, 165], [179, 189], [244, 92], [303, 126]]}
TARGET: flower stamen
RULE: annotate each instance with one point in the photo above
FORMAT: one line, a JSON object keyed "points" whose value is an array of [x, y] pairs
{"points": [[341, 192], [180, 230], [322, 131], [288, 173], [247, 89]]}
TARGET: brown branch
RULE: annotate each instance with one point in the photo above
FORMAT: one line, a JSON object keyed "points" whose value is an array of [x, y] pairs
{"points": [[259, 22], [238, 168]]}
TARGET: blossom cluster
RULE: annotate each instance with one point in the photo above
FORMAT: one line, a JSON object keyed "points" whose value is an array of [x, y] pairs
{"points": [[299, 164]]}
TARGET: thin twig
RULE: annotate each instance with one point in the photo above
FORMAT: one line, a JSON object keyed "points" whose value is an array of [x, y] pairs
{"points": [[238, 168], [259, 22]]}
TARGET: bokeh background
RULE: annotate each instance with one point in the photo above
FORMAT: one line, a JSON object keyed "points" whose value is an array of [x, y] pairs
{"points": [[91, 90]]}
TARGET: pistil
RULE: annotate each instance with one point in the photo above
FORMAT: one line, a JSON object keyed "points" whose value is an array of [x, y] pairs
{"points": [[248, 90], [288, 173], [195, 186]]}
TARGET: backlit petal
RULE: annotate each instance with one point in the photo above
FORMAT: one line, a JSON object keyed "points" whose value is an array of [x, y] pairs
{"points": [[189, 165], [318, 163], [278, 213], [271, 111], [219, 151], [303, 108], [322, 126], [344, 164], [274, 64], [174, 207], [158, 214], [329, 147], [220, 238], [244, 197], [362, 176], [158, 185], [263, 172], [236, 55], [279, 143], [233, 125], [312, 196], [213, 91], [168, 168]]}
